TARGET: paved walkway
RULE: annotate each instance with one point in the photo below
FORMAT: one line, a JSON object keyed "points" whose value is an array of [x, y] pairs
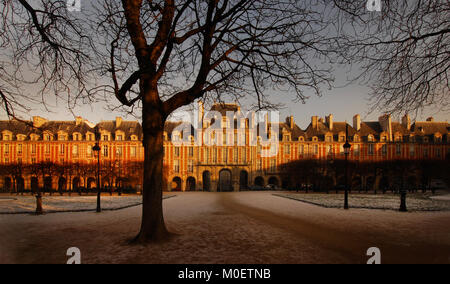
{"points": [[246, 227]]}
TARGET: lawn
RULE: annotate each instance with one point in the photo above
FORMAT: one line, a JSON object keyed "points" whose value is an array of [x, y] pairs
{"points": [[388, 201]]}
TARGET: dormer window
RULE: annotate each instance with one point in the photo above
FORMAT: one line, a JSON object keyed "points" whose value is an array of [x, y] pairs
{"points": [[47, 137], [287, 138], [356, 138], [426, 140], [62, 137], [134, 137], [329, 138], [119, 137], [301, 139], [314, 139], [370, 138], [341, 138], [105, 137], [21, 137], [6, 137]]}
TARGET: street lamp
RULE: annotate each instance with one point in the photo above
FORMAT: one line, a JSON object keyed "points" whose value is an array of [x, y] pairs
{"points": [[96, 149], [347, 147]]}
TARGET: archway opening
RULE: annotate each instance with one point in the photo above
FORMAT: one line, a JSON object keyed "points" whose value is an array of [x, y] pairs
{"points": [[206, 181], [47, 184], [34, 184], [259, 182], [190, 184], [7, 185], [243, 180], [176, 184], [273, 182], [225, 181], [20, 184], [62, 184]]}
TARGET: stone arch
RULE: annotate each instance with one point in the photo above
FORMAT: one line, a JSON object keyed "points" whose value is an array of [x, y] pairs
{"points": [[190, 184], [76, 183], [225, 181], [91, 183], [206, 177], [7, 184], [48, 183], [34, 184], [274, 181], [176, 184], [62, 184], [243, 180], [20, 183], [259, 181]]}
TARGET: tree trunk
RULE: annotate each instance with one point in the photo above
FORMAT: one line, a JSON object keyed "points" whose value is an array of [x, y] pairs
{"points": [[152, 227]]}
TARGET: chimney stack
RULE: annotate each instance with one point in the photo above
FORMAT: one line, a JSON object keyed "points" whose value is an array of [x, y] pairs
{"points": [[406, 122], [291, 122], [329, 120], [314, 122], [38, 121], [118, 122], [78, 120], [357, 122], [386, 124]]}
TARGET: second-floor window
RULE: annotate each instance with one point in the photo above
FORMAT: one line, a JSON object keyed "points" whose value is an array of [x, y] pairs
{"points": [[19, 149], [105, 151], [62, 149], [6, 151], [398, 149], [176, 166], [371, 149], [75, 150], [190, 166], [384, 150], [119, 151], [177, 152], [133, 151], [33, 149], [287, 149]]}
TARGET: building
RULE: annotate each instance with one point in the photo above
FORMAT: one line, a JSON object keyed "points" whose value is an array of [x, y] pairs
{"points": [[220, 153]]}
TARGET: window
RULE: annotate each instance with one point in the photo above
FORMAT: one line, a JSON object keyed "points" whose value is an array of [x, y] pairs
{"points": [[105, 138], [398, 149], [6, 151], [119, 151], [191, 152], [356, 150], [244, 155], [19, 149], [91, 137], [273, 165], [301, 149], [287, 149], [62, 137], [6, 160], [236, 155], [371, 149], [370, 138], [62, 149], [384, 150], [341, 138], [438, 152], [225, 156], [328, 139], [329, 150], [6, 137], [119, 137], [287, 137], [89, 151], [259, 165], [33, 160], [47, 137], [75, 150], [33, 149], [411, 151], [133, 151], [190, 166], [177, 152], [176, 166], [425, 152], [316, 150], [105, 151], [215, 155]]}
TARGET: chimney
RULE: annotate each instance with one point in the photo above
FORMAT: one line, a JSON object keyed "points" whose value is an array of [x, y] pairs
{"points": [[386, 124], [78, 120], [329, 120], [357, 122], [430, 119], [38, 121], [406, 122], [291, 122], [118, 122], [201, 113], [314, 122]]}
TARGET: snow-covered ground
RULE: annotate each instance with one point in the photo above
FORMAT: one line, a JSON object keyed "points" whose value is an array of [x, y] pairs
{"points": [[27, 204], [388, 201], [246, 227]]}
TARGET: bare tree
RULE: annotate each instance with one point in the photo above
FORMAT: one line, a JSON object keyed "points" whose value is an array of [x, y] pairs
{"points": [[404, 52]]}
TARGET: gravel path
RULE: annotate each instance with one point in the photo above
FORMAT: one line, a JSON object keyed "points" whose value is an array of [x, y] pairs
{"points": [[246, 227]]}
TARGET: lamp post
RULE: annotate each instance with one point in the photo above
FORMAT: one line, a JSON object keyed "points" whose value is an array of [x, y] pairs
{"points": [[347, 147], [96, 149]]}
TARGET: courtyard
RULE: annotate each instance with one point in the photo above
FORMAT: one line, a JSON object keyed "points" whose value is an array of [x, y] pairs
{"points": [[244, 227]]}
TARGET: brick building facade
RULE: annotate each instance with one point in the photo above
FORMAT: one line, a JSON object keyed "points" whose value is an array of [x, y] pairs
{"points": [[191, 161]]}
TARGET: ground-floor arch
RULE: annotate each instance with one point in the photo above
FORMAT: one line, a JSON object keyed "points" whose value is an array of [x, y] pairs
{"points": [[206, 177], [176, 184], [190, 184], [274, 181], [243, 180], [225, 181], [259, 181]]}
